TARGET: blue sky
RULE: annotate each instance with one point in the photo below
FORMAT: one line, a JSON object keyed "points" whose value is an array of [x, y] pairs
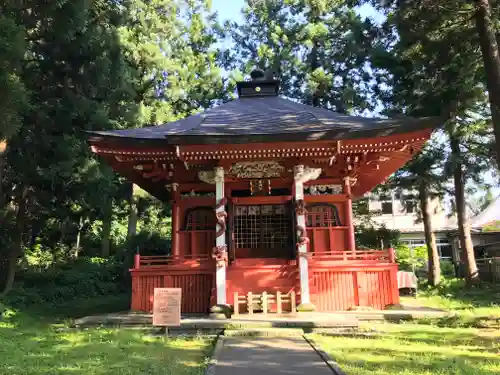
{"points": [[230, 10]]}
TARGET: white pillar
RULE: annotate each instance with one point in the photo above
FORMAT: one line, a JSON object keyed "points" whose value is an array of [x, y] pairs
{"points": [[302, 249], [220, 242], [303, 174]]}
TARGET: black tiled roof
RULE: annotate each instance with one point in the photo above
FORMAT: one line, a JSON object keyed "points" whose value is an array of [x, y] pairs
{"points": [[269, 118]]}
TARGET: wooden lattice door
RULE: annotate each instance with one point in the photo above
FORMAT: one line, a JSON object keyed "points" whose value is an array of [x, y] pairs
{"points": [[263, 231]]}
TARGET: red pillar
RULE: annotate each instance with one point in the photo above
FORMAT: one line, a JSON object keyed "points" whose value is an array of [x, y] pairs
{"points": [[351, 243], [176, 219]]}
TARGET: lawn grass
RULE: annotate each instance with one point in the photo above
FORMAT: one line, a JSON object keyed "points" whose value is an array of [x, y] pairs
{"points": [[413, 349], [478, 306], [34, 346]]}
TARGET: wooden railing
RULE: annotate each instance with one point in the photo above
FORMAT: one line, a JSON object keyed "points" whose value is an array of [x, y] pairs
{"points": [[264, 301], [151, 261], [141, 261], [387, 255]]}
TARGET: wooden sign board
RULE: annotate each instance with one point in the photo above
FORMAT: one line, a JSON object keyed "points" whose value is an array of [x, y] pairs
{"points": [[167, 307]]}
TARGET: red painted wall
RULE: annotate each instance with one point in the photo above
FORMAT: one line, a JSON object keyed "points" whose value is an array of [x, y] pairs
{"points": [[196, 289], [348, 287], [261, 275]]}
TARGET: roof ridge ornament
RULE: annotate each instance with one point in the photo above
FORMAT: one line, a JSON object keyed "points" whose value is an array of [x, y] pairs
{"points": [[262, 83]]}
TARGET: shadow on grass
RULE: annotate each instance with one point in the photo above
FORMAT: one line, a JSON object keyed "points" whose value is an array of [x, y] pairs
{"points": [[33, 346], [413, 351]]}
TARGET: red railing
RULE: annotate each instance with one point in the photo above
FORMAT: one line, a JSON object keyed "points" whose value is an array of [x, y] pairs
{"points": [[151, 261], [141, 261], [356, 255]]}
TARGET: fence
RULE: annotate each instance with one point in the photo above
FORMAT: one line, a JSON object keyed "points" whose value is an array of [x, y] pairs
{"points": [[265, 302]]}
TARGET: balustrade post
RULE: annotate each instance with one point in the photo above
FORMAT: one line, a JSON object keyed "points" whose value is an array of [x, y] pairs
{"points": [[236, 304], [392, 255], [176, 252], [137, 261], [278, 302]]}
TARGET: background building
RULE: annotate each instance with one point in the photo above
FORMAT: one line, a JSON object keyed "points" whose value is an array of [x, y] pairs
{"points": [[398, 210]]}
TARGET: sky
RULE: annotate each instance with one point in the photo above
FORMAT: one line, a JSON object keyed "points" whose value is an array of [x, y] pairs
{"points": [[230, 10]]}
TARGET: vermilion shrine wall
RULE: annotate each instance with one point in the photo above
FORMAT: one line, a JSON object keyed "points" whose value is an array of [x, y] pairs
{"points": [[337, 283]]}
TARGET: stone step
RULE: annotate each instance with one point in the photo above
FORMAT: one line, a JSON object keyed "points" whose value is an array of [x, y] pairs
{"points": [[264, 332]]}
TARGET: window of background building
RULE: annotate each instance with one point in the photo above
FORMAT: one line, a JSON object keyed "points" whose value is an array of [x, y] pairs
{"points": [[410, 206], [443, 246], [387, 207]]}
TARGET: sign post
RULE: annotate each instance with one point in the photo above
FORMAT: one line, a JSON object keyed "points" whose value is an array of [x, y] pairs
{"points": [[167, 307]]}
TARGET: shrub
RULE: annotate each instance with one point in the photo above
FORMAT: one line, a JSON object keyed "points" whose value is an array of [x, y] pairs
{"points": [[82, 279], [411, 259]]}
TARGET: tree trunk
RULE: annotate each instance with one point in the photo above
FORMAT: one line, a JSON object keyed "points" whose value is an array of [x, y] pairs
{"points": [[491, 60], [434, 271], [472, 275], [133, 213], [106, 229], [76, 250], [3, 149], [8, 266], [3, 200]]}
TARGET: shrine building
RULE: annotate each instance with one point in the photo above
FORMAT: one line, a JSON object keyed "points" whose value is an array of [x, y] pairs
{"points": [[261, 190]]}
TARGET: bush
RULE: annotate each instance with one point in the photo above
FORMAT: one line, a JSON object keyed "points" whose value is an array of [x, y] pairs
{"points": [[82, 279], [447, 268], [410, 259], [371, 237]]}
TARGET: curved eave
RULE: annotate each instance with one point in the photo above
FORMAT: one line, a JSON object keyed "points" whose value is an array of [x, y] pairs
{"points": [[394, 127]]}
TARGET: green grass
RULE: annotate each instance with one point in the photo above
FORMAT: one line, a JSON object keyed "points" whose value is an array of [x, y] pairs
{"points": [[412, 349], [32, 346], [469, 307]]}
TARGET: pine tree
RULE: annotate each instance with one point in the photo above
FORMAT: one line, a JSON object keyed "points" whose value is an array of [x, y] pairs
{"points": [[491, 58], [318, 49], [73, 73], [436, 71], [12, 49], [424, 176]]}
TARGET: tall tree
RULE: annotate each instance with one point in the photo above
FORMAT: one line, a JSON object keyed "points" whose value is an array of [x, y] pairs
{"points": [[436, 70], [318, 49], [12, 90], [74, 74], [491, 57], [423, 178], [476, 21]]}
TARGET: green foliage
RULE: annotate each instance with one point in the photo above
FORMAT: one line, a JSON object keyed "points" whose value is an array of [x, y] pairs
{"points": [[85, 278], [492, 227], [411, 259], [371, 237], [13, 92]]}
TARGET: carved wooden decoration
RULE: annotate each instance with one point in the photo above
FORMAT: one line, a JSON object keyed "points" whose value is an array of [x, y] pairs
{"points": [[304, 173], [257, 169], [156, 171], [207, 177], [221, 217], [194, 193], [219, 253], [323, 189]]}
